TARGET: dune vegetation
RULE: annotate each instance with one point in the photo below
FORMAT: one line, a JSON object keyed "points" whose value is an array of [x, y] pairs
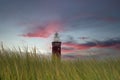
{"points": [[30, 66]]}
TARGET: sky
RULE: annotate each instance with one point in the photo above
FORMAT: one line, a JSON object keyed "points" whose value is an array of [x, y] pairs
{"points": [[86, 27]]}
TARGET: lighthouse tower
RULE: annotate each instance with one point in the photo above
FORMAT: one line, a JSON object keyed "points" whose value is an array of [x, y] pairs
{"points": [[56, 46]]}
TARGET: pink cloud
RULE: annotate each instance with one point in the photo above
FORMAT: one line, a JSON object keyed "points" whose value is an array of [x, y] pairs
{"points": [[77, 46], [117, 46], [44, 31], [66, 50], [112, 43]]}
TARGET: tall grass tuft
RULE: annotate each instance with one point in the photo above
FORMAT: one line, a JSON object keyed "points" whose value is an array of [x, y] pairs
{"points": [[30, 66]]}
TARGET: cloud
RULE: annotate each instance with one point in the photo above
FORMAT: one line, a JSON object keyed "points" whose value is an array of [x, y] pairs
{"points": [[109, 19], [98, 54], [83, 38], [69, 23], [44, 31], [69, 57], [111, 43], [66, 50], [81, 18], [79, 46]]}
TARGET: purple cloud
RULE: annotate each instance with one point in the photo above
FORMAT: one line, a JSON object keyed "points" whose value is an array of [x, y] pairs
{"points": [[111, 43]]}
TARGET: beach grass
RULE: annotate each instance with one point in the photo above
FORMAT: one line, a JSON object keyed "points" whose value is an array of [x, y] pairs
{"points": [[15, 65]]}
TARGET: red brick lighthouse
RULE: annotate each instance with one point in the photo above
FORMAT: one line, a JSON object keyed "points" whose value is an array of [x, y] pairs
{"points": [[56, 46]]}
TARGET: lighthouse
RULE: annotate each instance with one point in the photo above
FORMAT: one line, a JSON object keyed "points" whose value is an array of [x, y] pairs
{"points": [[56, 46]]}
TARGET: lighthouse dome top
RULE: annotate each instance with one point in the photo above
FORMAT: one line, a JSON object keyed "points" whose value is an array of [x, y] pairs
{"points": [[56, 37]]}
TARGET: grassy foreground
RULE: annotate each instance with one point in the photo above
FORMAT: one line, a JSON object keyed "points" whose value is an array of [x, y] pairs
{"points": [[29, 66]]}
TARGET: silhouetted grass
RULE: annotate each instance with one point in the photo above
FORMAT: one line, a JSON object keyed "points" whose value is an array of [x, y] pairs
{"points": [[30, 66]]}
